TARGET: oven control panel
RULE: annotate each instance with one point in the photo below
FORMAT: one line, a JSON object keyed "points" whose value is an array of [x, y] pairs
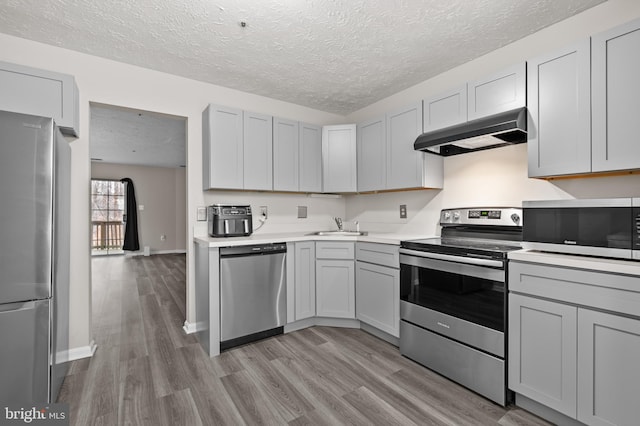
{"points": [[489, 214], [502, 216]]}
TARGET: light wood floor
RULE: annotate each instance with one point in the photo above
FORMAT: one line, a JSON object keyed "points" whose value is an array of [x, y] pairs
{"points": [[147, 371]]}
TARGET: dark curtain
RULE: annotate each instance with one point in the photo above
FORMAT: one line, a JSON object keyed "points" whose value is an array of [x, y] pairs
{"points": [[131, 222]]}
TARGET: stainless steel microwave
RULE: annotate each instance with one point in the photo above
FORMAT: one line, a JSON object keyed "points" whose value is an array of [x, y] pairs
{"points": [[599, 227]]}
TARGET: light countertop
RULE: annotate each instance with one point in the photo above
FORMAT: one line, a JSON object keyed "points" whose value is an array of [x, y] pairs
{"points": [[381, 238], [616, 266]]}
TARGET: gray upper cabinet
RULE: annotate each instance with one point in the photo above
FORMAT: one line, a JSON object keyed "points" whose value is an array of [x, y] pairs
{"points": [[310, 158], [499, 92], [371, 152], [257, 151], [222, 143], [339, 158], [40, 92], [446, 109], [406, 167], [559, 103], [285, 155], [615, 96], [404, 164]]}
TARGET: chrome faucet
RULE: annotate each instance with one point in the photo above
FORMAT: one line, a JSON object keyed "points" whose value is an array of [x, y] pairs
{"points": [[338, 222]]}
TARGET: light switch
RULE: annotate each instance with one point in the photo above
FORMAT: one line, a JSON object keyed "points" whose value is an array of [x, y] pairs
{"points": [[202, 214], [141, 207]]}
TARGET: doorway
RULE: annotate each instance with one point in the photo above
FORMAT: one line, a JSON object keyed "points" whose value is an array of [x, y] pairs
{"points": [[107, 217]]}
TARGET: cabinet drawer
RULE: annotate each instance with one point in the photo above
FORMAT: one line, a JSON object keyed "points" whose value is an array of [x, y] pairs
{"points": [[380, 254], [335, 250], [601, 290]]}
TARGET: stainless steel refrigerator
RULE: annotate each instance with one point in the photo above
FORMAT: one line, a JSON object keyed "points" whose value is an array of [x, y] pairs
{"points": [[34, 259]]}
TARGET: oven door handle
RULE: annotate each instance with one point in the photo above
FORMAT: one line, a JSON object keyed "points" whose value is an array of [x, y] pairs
{"points": [[461, 259]]}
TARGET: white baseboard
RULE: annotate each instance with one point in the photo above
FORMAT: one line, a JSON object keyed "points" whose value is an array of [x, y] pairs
{"points": [[322, 321], [78, 353], [395, 341], [141, 253], [190, 327]]}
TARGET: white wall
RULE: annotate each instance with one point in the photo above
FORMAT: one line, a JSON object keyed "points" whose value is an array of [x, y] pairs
{"points": [[498, 176], [163, 194], [113, 83]]}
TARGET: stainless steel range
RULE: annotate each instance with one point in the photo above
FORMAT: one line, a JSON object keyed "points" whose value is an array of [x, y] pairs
{"points": [[453, 304]]}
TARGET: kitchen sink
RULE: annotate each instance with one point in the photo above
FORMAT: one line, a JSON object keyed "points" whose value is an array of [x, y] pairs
{"points": [[338, 233]]}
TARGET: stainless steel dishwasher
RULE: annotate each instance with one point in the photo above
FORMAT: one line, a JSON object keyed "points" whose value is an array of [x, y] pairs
{"points": [[253, 296]]}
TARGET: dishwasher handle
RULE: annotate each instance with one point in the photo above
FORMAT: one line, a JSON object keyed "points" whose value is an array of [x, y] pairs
{"points": [[253, 250]]}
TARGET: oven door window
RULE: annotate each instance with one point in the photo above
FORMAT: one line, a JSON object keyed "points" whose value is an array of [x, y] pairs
{"points": [[473, 294]]}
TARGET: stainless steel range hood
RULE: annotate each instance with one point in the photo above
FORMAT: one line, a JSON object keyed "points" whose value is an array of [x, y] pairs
{"points": [[506, 128]]}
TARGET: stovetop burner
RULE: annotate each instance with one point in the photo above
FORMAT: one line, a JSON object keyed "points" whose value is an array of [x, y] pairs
{"points": [[482, 232], [472, 247], [473, 243]]}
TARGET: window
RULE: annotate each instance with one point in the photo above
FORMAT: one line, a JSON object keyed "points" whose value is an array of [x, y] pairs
{"points": [[107, 216]]}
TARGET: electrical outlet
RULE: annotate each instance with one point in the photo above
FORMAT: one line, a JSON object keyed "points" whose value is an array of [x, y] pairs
{"points": [[403, 211], [263, 211], [302, 212], [202, 214], [163, 237]]}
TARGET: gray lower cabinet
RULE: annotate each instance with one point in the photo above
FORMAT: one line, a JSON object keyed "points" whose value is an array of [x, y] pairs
{"points": [[335, 280], [40, 92], [378, 286], [615, 94], [310, 162], [542, 352], [577, 354], [608, 371], [305, 280], [378, 297], [559, 104]]}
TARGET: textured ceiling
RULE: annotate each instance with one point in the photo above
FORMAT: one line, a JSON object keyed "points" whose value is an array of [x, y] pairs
{"points": [[126, 136], [333, 55]]}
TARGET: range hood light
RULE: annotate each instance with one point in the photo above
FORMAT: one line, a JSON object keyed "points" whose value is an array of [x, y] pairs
{"points": [[502, 129]]}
